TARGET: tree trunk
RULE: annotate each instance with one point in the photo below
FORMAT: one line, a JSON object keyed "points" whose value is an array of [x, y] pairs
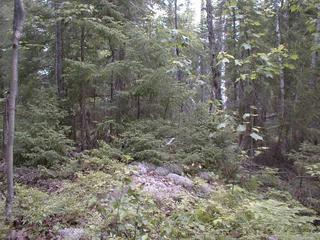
{"points": [[138, 107], [216, 91], [177, 49], [19, 16], [282, 138], [176, 23], [58, 59], [236, 98], [223, 47], [315, 54], [82, 98]]}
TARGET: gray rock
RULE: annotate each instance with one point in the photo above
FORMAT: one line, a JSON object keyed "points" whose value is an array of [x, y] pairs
{"points": [[206, 176], [144, 168], [272, 238], [174, 168], [72, 233], [162, 171], [206, 189], [180, 180]]}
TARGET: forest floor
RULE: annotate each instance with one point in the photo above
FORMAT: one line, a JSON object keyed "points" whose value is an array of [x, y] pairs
{"points": [[145, 201]]}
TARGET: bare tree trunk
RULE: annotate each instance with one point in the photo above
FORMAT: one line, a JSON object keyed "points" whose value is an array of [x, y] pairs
{"points": [[18, 20], [222, 47], [176, 27], [58, 58], [282, 138], [82, 98], [234, 72], [138, 107], [176, 23], [315, 54], [216, 91]]}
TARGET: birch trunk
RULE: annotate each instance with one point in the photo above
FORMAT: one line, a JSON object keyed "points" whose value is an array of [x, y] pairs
{"points": [[18, 20]]}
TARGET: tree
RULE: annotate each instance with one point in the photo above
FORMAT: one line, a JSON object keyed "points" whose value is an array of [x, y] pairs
{"points": [[59, 53], [315, 54], [216, 88], [9, 123], [282, 137]]}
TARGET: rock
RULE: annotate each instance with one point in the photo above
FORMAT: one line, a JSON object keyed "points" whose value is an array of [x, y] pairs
{"points": [[159, 188], [72, 233], [17, 235], [180, 180], [206, 176], [206, 189], [144, 168], [273, 237], [174, 168], [162, 171]]}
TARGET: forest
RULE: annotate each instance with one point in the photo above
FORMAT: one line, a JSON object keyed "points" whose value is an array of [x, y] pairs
{"points": [[160, 119]]}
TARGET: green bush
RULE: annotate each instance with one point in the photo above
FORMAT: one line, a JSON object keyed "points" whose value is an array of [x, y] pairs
{"points": [[41, 138], [203, 140]]}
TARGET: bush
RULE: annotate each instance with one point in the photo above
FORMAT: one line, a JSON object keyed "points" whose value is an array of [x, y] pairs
{"points": [[204, 140], [41, 138]]}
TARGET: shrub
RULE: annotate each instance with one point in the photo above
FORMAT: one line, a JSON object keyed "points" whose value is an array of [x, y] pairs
{"points": [[41, 136]]}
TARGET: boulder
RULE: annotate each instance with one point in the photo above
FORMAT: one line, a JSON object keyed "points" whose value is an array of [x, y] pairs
{"points": [[180, 180], [206, 176], [273, 237], [174, 168], [72, 233], [162, 171], [205, 189], [144, 168]]}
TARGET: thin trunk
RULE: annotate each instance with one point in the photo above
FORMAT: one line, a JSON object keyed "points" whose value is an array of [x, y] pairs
{"points": [[277, 6], [216, 91], [315, 54], [234, 73], [1, 73], [58, 59], [111, 89], [138, 107], [203, 63], [223, 81], [113, 59], [176, 27], [176, 23], [82, 103], [18, 20], [82, 120]]}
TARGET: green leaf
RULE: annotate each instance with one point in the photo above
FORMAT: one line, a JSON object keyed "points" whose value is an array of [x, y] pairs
{"points": [[294, 57]]}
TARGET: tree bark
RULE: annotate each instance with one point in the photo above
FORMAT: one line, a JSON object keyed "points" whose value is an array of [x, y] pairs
{"points": [[176, 27], [18, 20], [315, 54], [176, 23], [216, 91], [234, 72], [58, 59], [82, 98], [282, 138]]}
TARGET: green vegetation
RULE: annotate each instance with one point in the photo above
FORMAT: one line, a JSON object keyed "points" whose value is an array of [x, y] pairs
{"points": [[135, 120]]}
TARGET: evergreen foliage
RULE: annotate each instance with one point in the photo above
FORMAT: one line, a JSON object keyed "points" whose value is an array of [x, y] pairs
{"points": [[230, 105]]}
